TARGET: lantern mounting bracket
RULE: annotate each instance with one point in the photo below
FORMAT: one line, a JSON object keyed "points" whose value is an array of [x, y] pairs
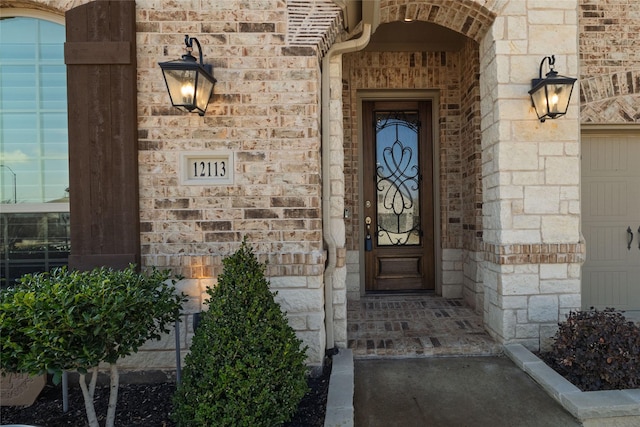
{"points": [[552, 72], [188, 41]]}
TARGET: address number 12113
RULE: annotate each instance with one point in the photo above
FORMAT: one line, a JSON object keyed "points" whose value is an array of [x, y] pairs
{"points": [[209, 169]]}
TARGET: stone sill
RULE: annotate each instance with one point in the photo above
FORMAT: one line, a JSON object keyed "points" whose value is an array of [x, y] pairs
{"points": [[615, 407]]}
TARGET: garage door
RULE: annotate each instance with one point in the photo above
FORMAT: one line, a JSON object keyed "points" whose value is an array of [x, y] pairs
{"points": [[611, 221]]}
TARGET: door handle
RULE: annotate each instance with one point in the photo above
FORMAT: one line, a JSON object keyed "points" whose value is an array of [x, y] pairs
{"points": [[638, 238], [630, 233]]}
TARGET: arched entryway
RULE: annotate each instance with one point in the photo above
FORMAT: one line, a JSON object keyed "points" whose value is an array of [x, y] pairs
{"points": [[446, 77], [419, 54], [506, 231]]}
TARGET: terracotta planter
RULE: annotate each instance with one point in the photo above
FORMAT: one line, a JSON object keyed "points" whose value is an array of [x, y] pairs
{"points": [[20, 389]]}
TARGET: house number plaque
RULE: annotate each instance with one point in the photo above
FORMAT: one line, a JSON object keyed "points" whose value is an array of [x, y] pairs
{"points": [[207, 168]]}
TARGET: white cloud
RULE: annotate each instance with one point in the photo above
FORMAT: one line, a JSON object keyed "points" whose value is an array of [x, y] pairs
{"points": [[16, 156]]}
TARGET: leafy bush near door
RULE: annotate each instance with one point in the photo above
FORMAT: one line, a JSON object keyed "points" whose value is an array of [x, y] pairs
{"points": [[246, 366], [76, 320], [597, 350]]}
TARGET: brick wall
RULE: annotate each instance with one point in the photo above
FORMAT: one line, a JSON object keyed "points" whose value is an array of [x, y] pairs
{"points": [[471, 172], [609, 61], [455, 76], [469, 17], [471, 150], [404, 70], [265, 111]]}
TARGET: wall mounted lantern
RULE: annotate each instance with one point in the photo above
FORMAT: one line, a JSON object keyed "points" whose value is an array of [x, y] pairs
{"points": [[550, 95], [189, 82]]}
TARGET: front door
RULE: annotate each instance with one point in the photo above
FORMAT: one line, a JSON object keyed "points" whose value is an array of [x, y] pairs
{"points": [[398, 196]]}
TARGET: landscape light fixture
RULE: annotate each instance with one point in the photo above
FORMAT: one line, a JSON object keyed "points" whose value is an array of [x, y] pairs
{"points": [[550, 95], [189, 82]]}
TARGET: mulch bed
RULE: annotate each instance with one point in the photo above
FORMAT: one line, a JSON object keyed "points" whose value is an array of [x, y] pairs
{"points": [[146, 405]]}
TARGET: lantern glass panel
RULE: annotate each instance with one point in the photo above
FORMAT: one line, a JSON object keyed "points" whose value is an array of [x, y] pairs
{"points": [[181, 87], [205, 87], [539, 99], [559, 97]]}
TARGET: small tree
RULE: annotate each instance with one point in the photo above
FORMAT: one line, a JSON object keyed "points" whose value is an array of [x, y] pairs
{"points": [[246, 366], [66, 321]]}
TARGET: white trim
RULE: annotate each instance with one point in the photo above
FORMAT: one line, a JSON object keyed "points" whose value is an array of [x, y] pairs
{"points": [[432, 95], [317, 23], [617, 128], [187, 178], [34, 208], [20, 12]]}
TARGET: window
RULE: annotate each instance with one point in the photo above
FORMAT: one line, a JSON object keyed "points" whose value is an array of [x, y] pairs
{"points": [[34, 172]]}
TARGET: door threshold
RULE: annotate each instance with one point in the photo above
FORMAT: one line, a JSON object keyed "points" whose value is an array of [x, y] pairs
{"points": [[400, 292]]}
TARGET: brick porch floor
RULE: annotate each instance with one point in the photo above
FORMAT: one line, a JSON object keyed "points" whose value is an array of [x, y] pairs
{"points": [[415, 326]]}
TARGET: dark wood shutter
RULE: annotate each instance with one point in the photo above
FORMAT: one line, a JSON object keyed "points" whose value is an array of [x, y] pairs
{"points": [[100, 53]]}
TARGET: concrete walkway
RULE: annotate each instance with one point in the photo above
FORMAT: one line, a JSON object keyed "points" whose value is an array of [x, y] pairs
{"points": [[451, 392]]}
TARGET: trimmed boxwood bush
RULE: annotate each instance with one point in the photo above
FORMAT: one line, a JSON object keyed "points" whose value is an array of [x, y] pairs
{"points": [[246, 366], [597, 350]]}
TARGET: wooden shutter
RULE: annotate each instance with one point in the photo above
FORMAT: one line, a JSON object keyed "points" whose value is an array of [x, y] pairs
{"points": [[100, 53]]}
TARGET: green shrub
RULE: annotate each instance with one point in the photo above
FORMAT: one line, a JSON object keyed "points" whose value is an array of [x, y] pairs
{"points": [[597, 350], [75, 320], [246, 366]]}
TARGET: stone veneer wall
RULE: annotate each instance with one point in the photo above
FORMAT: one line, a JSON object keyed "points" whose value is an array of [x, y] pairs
{"points": [[530, 177], [266, 111], [338, 279], [609, 61]]}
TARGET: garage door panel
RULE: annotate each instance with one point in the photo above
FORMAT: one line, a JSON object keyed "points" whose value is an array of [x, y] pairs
{"points": [[611, 287], [607, 199], [608, 243], [611, 155], [611, 205]]}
